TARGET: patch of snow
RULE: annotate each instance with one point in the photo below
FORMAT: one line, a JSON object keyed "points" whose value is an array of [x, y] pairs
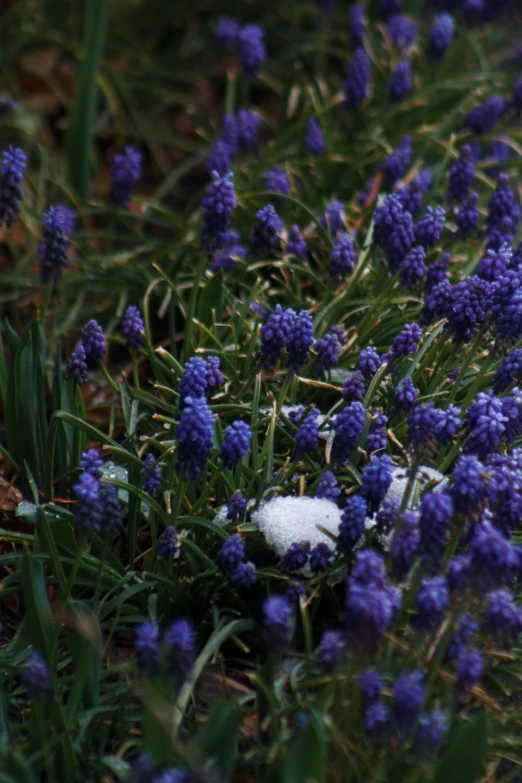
{"points": [[423, 477], [284, 520]]}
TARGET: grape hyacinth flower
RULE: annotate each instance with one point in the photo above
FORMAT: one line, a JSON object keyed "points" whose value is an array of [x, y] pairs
{"points": [[470, 667], [88, 511], [357, 81], [278, 622], [77, 367], [502, 617], [294, 592], [393, 230], [429, 229], [195, 437], [407, 341], [307, 437], [437, 303], [218, 158], [274, 335], [37, 676], [410, 197], [502, 205], [231, 554], [371, 602], [54, 247], [327, 349], [193, 381], [343, 256], [236, 506], [297, 556], [125, 174], [93, 341], [218, 203], [493, 558], [330, 650], [469, 486], [400, 82], [406, 396], [412, 269], [351, 528], [435, 513], [486, 424], [467, 219], [482, 119], [458, 573], [14, 161], [437, 272], [133, 327], [376, 481], [150, 475], [327, 487], [265, 238], [214, 375], [147, 646], [432, 599], [91, 462], [236, 443], [180, 639], [408, 696], [357, 24], [461, 637], [296, 244], [495, 264], [247, 130], [252, 51], [405, 544], [376, 719], [441, 36], [300, 340], [277, 180], [110, 507], [369, 362], [230, 252], [378, 436], [314, 139], [354, 387], [461, 175], [226, 33], [431, 731], [509, 371], [168, 543], [401, 32], [422, 422], [395, 166], [348, 426], [469, 304], [244, 577], [320, 556], [333, 218], [370, 686]]}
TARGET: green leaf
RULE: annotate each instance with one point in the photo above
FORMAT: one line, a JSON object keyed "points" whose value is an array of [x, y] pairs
{"points": [[211, 298], [39, 618], [218, 739], [306, 762], [85, 646], [466, 756]]}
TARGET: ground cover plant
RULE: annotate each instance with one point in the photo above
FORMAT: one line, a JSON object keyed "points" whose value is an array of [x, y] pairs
{"points": [[261, 350]]}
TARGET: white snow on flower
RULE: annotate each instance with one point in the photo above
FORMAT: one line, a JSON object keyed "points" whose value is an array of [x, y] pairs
{"points": [[287, 519], [423, 477]]}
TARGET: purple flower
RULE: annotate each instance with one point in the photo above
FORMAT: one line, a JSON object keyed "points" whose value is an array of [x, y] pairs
{"points": [[88, 511], [406, 396], [247, 129], [236, 506], [404, 547], [235, 444], [431, 731], [461, 175], [512, 410], [429, 229], [441, 35], [396, 165], [354, 387], [470, 667], [297, 556], [437, 303], [376, 481], [436, 510], [265, 239], [77, 367], [244, 577], [393, 230], [37, 676], [410, 197], [327, 349], [180, 639], [294, 591], [357, 80], [320, 556], [432, 600], [230, 253], [150, 475], [14, 161], [252, 51], [483, 118], [407, 341], [376, 719], [502, 617], [194, 434], [300, 340], [277, 180], [388, 515], [448, 424], [219, 203], [469, 304], [91, 462], [307, 437], [193, 382], [133, 327], [461, 637], [502, 205], [421, 425], [93, 341], [333, 218], [370, 686], [469, 487], [369, 362], [168, 543], [348, 426], [493, 559], [226, 33], [330, 649], [377, 439], [110, 508], [437, 272], [371, 602], [274, 335], [147, 646], [296, 244], [218, 158], [327, 487], [231, 554], [467, 219], [351, 528], [509, 371], [343, 256], [401, 32], [408, 696], [314, 139], [125, 174], [400, 83], [412, 269], [279, 623], [486, 424], [214, 375], [54, 247], [458, 573], [357, 24]]}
